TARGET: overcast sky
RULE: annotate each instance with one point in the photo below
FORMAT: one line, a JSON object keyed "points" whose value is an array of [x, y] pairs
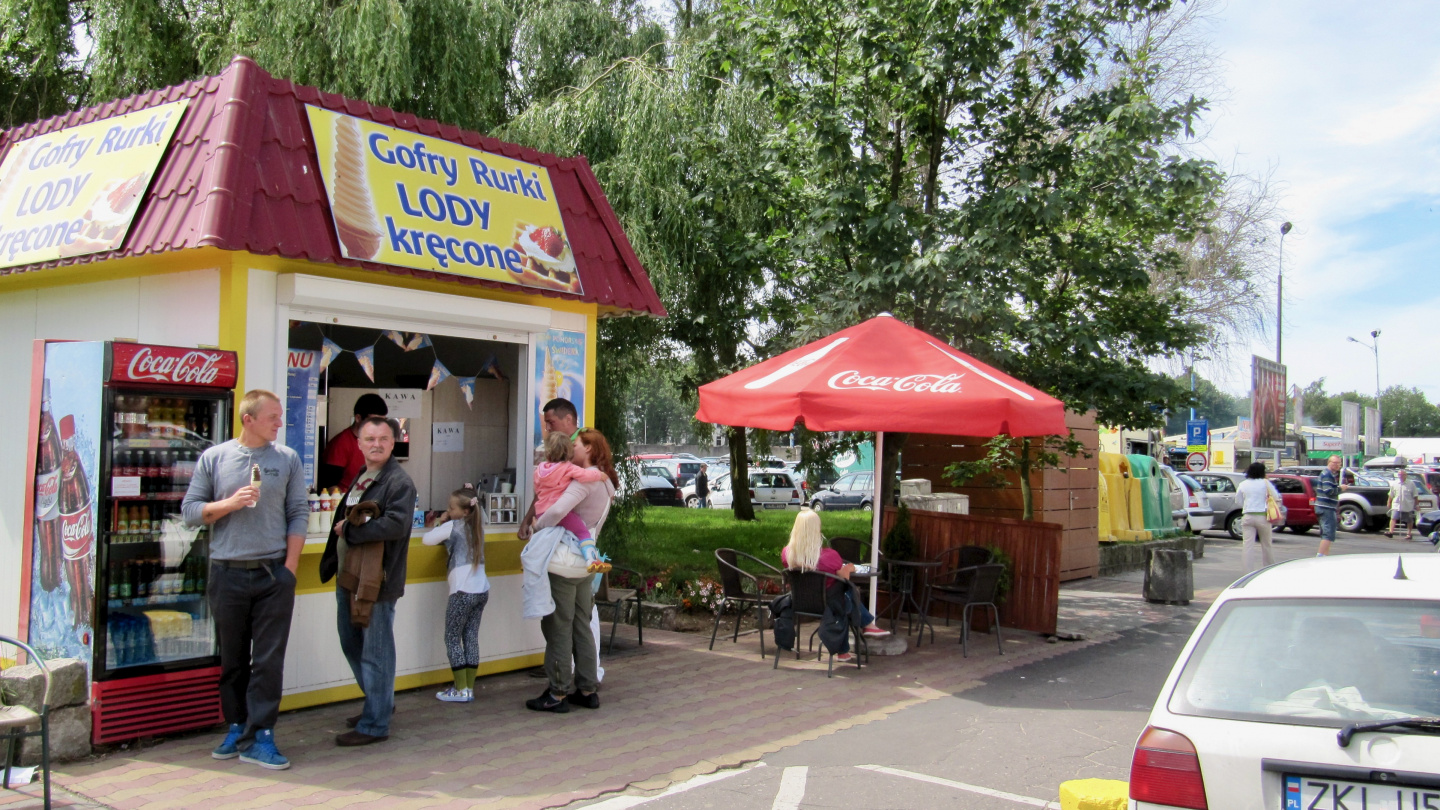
{"points": [[1342, 99]]}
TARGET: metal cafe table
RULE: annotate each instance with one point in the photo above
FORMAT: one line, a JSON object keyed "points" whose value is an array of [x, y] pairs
{"points": [[903, 581]]}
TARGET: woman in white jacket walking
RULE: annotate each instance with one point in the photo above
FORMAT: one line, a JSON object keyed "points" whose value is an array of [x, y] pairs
{"points": [[1255, 492]]}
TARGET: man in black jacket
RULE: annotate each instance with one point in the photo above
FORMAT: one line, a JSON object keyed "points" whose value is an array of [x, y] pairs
{"points": [[370, 650], [702, 487]]}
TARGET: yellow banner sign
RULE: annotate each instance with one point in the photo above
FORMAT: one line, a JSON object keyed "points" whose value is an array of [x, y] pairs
{"points": [[75, 191], [413, 201]]}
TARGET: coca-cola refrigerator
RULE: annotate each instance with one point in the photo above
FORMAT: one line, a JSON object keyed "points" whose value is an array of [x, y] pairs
{"points": [[116, 578]]}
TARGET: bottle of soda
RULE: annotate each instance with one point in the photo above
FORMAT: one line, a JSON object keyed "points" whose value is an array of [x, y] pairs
{"points": [[47, 495], [77, 526]]}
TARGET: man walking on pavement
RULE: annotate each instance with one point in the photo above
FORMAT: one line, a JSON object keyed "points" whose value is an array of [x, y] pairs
{"points": [[1327, 500], [371, 555], [702, 487], [258, 531], [1401, 503]]}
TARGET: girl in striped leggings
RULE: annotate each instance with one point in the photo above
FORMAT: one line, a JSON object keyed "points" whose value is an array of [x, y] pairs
{"points": [[464, 539]]}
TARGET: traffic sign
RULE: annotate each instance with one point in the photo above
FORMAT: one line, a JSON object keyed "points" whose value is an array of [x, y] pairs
{"points": [[1196, 462], [1197, 435]]}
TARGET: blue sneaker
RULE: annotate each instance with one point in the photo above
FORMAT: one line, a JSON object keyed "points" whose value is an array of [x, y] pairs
{"points": [[227, 748], [264, 753]]}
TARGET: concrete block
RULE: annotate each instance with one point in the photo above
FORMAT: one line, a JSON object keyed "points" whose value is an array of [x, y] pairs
{"points": [[1169, 577], [23, 685], [656, 615], [69, 737], [915, 486], [887, 645], [1094, 794]]}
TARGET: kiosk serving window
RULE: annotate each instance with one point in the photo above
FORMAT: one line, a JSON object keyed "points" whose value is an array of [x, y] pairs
{"points": [[446, 441]]}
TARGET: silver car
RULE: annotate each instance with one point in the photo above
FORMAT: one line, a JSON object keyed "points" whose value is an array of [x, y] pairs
{"points": [[1220, 487]]}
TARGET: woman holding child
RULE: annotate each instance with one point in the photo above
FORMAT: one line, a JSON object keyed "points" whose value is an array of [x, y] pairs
{"points": [[575, 517]]}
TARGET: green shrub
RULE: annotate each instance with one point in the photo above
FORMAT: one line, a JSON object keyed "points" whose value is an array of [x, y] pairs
{"points": [[899, 542]]}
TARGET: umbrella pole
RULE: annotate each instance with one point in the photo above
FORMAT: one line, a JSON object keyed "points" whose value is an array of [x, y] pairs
{"points": [[877, 510]]}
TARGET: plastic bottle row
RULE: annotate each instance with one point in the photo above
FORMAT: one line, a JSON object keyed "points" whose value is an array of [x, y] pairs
{"points": [[157, 636], [139, 417], [141, 578]]}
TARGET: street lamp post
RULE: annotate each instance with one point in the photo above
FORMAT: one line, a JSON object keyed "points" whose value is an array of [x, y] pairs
{"points": [[1374, 347], [1280, 297]]}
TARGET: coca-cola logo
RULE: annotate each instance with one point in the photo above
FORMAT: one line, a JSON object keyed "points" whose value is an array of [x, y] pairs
{"points": [[47, 491], [919, 383], [190, 368], [77, 533]]}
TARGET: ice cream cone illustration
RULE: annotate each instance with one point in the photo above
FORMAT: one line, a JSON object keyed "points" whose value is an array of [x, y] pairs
{"points": [[354, 211]]}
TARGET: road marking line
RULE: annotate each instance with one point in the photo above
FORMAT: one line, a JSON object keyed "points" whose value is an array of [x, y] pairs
{"points": [[983, 791], [626, 802], [792, 788]]}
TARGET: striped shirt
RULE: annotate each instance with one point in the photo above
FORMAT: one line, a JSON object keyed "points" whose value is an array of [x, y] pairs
{"points": [[1327, 491]]}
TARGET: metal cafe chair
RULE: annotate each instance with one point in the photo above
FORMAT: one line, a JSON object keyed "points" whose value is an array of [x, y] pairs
{"points": [[965, 556], [807, 594], [970, 587], [851, 549], [14, 719], [732, 585], [617, 599]]}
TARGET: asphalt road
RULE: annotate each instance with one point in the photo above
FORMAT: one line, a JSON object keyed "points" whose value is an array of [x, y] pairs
{"points": [[1008, 743]]}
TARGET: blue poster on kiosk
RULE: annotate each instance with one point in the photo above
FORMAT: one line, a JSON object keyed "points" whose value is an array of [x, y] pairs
{"points": [[67, 484]]}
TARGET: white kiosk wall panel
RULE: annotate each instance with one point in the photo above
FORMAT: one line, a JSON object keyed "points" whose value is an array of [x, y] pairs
{"points": [[177, 309]]}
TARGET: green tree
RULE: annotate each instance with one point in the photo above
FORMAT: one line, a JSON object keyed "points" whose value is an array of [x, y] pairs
{"points": [[1212, 403], [38, 74], [953, 168], [684, 166]]}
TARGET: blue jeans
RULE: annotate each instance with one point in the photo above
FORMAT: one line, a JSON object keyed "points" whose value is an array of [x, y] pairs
{"points": [[371, 654], [849, 603], [1327, 523]]}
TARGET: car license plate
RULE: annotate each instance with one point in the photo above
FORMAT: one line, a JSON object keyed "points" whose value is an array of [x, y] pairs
{"points": [[775, 505], [1319, 793]]}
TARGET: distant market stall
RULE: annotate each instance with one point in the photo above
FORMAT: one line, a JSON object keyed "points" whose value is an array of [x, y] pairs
{"points": [[161, 254]]}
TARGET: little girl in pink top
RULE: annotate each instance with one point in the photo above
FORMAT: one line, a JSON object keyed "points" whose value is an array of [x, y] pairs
{"points": [[552, 476]]}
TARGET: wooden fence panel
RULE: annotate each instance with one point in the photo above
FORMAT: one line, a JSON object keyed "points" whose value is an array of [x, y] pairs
{"points": [[1068, 497], [1035, 549]]}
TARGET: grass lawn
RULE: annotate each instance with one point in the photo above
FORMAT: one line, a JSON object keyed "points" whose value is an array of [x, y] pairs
{"points": [[683, 541]]}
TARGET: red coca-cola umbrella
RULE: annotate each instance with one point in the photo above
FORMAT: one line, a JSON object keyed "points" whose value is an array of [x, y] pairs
{"points": [[881, 375]]}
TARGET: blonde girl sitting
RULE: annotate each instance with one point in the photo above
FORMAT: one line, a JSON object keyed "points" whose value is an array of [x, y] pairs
{"points": [[806, 552]]}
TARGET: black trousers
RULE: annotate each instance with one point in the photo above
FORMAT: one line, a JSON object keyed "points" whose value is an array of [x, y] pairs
{"points": [[252, 609]]}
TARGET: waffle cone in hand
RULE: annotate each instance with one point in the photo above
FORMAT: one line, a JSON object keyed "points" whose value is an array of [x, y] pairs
{"points": [[354, 211]]}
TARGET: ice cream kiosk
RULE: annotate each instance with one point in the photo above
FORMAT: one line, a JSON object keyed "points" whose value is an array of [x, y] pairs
{"points": [[305, 243]]}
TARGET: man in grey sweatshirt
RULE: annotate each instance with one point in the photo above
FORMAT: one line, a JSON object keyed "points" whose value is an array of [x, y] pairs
{"points": [[255, 544]]}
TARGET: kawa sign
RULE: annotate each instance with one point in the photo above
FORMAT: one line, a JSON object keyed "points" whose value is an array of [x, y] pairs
{"points": [[172, 365], [75, 191]]}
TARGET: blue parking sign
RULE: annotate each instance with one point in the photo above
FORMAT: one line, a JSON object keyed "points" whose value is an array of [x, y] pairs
{"points": [[1197, 434]]}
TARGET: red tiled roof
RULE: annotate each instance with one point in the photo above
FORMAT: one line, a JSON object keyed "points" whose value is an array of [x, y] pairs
{"points": [[241, 174]]}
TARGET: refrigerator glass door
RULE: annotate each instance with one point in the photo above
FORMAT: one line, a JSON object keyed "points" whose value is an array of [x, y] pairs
{"points": [[155, 568]]}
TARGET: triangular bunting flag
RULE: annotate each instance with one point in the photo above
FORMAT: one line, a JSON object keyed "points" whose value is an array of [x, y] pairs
{"points": [[467, 387], [491, 369], [366, 356], [417, 341], [398, 337], [329, 350], [438, 373]]}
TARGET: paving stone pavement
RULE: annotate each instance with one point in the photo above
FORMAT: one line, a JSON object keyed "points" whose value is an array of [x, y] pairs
{"points": [[671, 710]]}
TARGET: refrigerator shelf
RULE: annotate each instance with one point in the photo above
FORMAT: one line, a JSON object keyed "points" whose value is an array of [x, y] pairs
{"points": [[162, 444], [158, 599], [153, 496]]}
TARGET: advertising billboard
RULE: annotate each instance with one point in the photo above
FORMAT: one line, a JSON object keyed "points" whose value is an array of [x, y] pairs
{"points": [[1267, 402], [414, 201], [1372, 432], [1350, 428], [75, 191]]}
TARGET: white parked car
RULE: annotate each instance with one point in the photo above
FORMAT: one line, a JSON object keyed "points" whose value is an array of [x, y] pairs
{"points": [[1314, 683], [1198, 510], [768, 490]]}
